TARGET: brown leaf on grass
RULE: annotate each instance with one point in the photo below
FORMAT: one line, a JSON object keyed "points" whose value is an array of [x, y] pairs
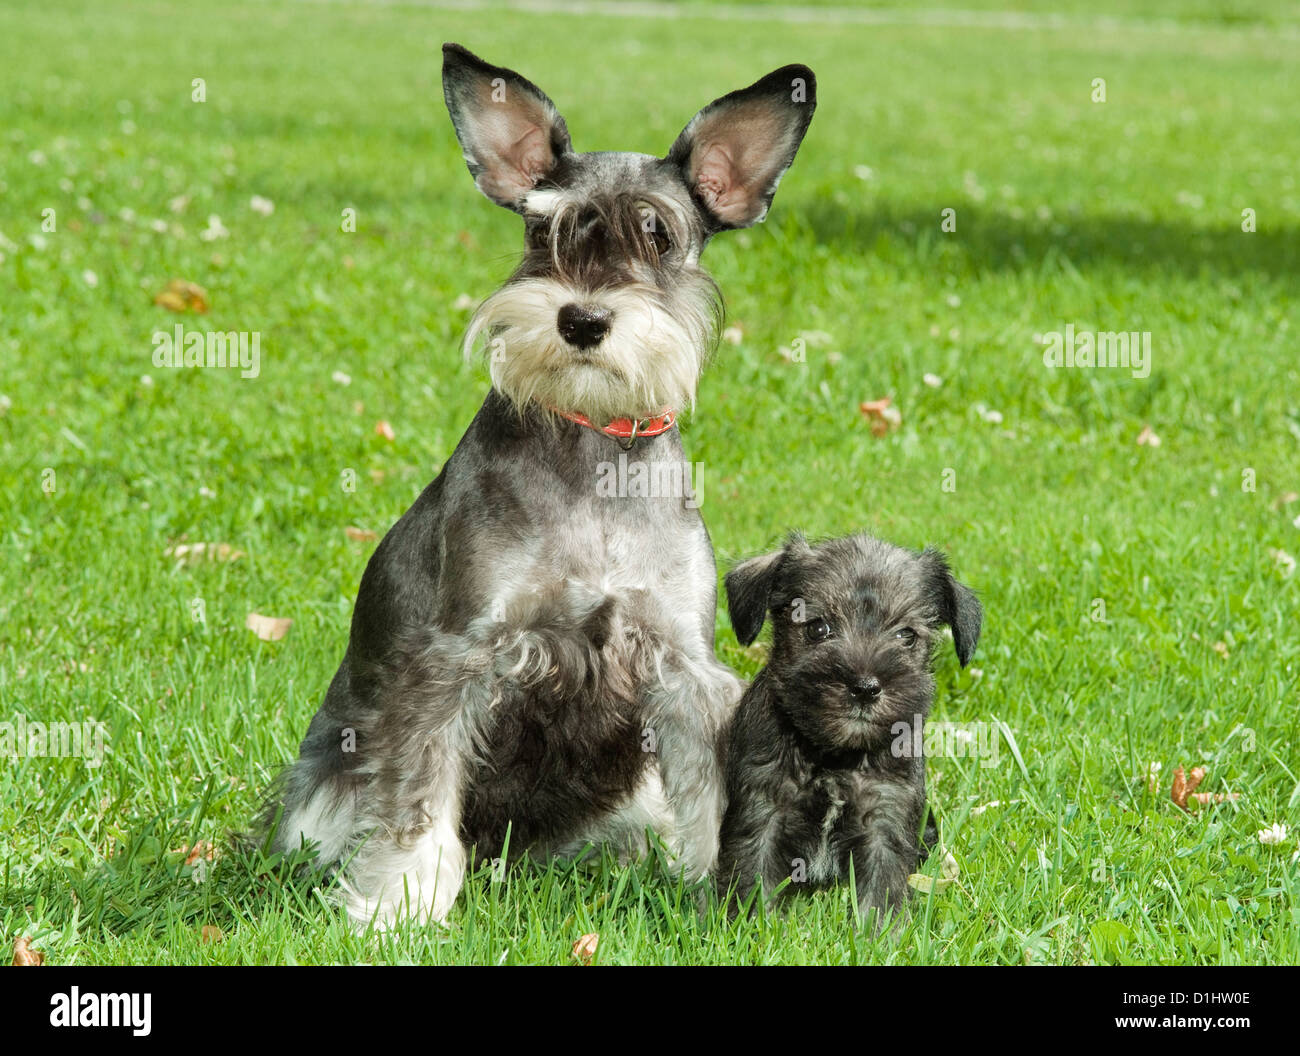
{"points": [[1178, 793], [382, 428], [1185, 784], [1184, 792], [1148, 438], [882, 415], [183, 296], [268, 628], [193, 553], [1285, 499], [585, 948], [173, 302], [360, 535], [1206, 798], [210, 934], [25, 956], [202, 849]]}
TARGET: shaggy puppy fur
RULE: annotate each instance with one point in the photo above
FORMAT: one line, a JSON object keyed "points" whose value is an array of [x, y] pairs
{"points": [[819, 777]]}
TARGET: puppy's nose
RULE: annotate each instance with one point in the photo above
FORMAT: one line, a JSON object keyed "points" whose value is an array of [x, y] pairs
{"points": [[867, 689], [583, 326]]}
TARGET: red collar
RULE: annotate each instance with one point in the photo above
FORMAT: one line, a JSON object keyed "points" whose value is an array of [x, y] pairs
{"points": [[625, 430]]}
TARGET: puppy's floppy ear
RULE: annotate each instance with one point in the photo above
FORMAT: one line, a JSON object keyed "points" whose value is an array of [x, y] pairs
{"points": [[735, 150], [509, 131], [955, 603], [749, 586]]}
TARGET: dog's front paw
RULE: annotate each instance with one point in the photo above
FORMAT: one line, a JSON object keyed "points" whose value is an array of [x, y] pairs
{"points": [[390, 880]]}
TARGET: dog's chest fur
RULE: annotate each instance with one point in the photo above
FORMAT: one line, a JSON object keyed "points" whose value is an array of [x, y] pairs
{"points": [[614, 582], [821, 823]]}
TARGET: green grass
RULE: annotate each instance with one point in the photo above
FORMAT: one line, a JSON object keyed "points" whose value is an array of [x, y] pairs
{"points": [[1123, 215]]}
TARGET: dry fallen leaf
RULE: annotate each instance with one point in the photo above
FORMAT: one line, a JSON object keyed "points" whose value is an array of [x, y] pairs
{"points": [[1148, 438], [1184, 791], [1285, 499], [360, 535], [585, 948], [181, 296], [210, 934], [1184, 784], [882, 415], [193, 553], [948, 873], [25, 956], [1206, 798], [268, 628], [202, 849], [382, 428]]}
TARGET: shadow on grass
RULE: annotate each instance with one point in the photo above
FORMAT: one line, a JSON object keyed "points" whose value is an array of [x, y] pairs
{"points": [[994, 240]]}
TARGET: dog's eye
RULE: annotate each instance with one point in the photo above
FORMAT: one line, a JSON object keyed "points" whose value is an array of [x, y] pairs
{"points": [[907, 636], [817, 630], [663, 244]]}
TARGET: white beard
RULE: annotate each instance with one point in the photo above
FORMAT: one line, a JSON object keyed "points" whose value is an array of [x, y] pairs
{"points": [[648, 362]]}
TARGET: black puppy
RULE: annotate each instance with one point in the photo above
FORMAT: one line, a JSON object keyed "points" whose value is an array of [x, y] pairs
{"points": [[818, 772]]}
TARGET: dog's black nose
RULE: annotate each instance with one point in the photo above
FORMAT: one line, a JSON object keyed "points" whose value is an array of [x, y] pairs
{"points": [[583, 327], [867, 689]]}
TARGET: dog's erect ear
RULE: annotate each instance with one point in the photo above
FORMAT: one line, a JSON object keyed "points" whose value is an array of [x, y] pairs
{"points": [[749, 587], [956, 605], [735, 150], [510, 132]]}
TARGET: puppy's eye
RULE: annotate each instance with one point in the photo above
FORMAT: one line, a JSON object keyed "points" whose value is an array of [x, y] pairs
{"points": [[655, 235], [907, 636], [817, 630]]}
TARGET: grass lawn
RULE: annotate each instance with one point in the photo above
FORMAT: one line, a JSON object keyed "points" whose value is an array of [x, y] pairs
{"points": [[1141, 609]]}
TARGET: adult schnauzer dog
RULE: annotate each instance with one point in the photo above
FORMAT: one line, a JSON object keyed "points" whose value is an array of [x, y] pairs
{"points": [[531, 654], [815, 775]]}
